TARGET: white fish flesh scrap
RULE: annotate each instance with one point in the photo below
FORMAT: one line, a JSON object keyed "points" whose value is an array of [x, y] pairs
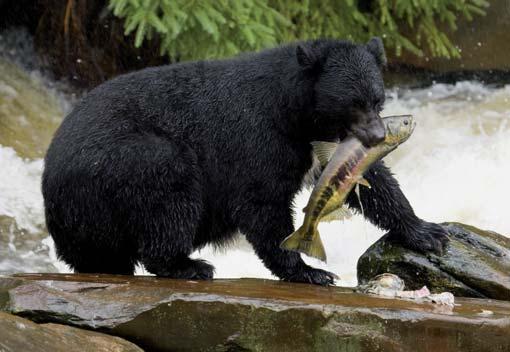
{"points": [[390, 285]]}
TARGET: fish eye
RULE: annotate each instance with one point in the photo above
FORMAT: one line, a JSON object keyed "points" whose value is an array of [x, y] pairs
{"points": [[406, 122]]}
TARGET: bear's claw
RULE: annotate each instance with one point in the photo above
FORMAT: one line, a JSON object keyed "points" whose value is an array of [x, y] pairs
{"points": [[427, 237], [310, 275], [190, 269]]}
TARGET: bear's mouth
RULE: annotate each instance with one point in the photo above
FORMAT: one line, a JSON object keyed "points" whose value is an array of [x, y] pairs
{"points": [[370, 135]]}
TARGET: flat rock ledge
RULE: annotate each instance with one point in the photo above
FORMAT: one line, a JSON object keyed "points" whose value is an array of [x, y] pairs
{"points": [[252, 315]]}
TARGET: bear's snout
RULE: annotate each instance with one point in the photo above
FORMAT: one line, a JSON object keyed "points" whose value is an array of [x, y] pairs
{"points": [[370, 134], [376, 132]]}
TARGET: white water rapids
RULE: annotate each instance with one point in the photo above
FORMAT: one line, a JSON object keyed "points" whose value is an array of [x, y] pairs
{"points": [[454, 168]]}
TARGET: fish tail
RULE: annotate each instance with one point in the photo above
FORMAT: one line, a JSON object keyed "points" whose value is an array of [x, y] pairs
{"points": [[298, 242]]}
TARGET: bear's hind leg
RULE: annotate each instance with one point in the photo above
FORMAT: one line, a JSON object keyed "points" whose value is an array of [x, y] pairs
{"points": [[167, 242], [105, 263], [167, 209], [181, 267], [166, 239], [87, 246]]}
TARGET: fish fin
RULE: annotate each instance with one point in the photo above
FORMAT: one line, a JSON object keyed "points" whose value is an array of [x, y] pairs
{"points": [[296, 242], [363, 181], [324, 151], [341, 213]]}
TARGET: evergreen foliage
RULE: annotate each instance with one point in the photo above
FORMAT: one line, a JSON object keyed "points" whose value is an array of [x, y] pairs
{"points": [[195, 29]]}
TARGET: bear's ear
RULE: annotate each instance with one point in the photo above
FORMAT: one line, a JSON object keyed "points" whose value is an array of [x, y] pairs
{"points": [[306, 57], [376, 47]]}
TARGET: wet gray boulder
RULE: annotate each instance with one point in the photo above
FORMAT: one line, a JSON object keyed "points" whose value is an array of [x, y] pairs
{"points": [[19, 335], [476, 264], [253, 315]]}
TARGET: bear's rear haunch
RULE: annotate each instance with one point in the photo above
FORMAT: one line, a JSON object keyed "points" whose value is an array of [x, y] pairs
{"points": [[155, 164]]}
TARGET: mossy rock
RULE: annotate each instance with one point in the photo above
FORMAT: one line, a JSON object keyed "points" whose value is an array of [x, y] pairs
{"points": [[475, 264]]}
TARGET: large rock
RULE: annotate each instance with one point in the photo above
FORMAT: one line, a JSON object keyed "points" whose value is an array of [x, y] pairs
{"points": [[476, 264], [19, 335], [253, 315]]}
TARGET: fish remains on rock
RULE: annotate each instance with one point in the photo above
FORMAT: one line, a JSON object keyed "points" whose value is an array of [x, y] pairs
{"points": [[390, 285], [345, 164]]}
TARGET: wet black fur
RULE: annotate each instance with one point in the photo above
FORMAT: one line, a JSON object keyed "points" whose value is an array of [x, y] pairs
{"points": [[154, 164]]}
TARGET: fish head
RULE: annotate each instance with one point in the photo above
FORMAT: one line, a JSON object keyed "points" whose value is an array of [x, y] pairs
{"points": [[398, 129]]}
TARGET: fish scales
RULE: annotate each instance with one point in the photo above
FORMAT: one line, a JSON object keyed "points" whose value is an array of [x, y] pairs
{"points": [[347, 169], [337, 178]]}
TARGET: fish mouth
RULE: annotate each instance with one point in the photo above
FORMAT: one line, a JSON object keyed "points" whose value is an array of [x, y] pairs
{"points": [[413, 126]]}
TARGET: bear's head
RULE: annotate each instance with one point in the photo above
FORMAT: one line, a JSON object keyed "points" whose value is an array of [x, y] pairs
{"points": [[348, 88]]}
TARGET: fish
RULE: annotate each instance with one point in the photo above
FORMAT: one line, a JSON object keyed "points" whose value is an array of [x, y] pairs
{"points": [[346, 162], [390, 285]]}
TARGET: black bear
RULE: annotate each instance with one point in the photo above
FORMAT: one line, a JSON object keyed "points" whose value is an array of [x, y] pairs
{"points": [[154, 164]]}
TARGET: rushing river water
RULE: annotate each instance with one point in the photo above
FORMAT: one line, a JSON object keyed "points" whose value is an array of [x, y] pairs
{"points": [[454, 168]]}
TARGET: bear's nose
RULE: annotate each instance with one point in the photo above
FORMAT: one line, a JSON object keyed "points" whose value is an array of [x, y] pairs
{"points": [[376, 132]]}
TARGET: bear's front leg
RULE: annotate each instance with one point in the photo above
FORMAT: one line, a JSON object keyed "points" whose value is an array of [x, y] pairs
{"points": [[265, 227], [386, 206]]}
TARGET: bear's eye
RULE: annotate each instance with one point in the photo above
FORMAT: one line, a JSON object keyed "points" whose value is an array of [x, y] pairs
{"points": [[358, 103], [378, 104]]}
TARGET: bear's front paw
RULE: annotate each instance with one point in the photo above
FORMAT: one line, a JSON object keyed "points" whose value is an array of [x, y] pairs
{"points": [[310, 275], [424, 238]]}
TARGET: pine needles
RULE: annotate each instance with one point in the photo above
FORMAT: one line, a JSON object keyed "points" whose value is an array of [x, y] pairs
{"points": [[197, 29]]}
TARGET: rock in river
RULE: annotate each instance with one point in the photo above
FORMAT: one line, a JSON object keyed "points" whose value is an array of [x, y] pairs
{"points": [[20, 335], [253, 315], [476, 264]]}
